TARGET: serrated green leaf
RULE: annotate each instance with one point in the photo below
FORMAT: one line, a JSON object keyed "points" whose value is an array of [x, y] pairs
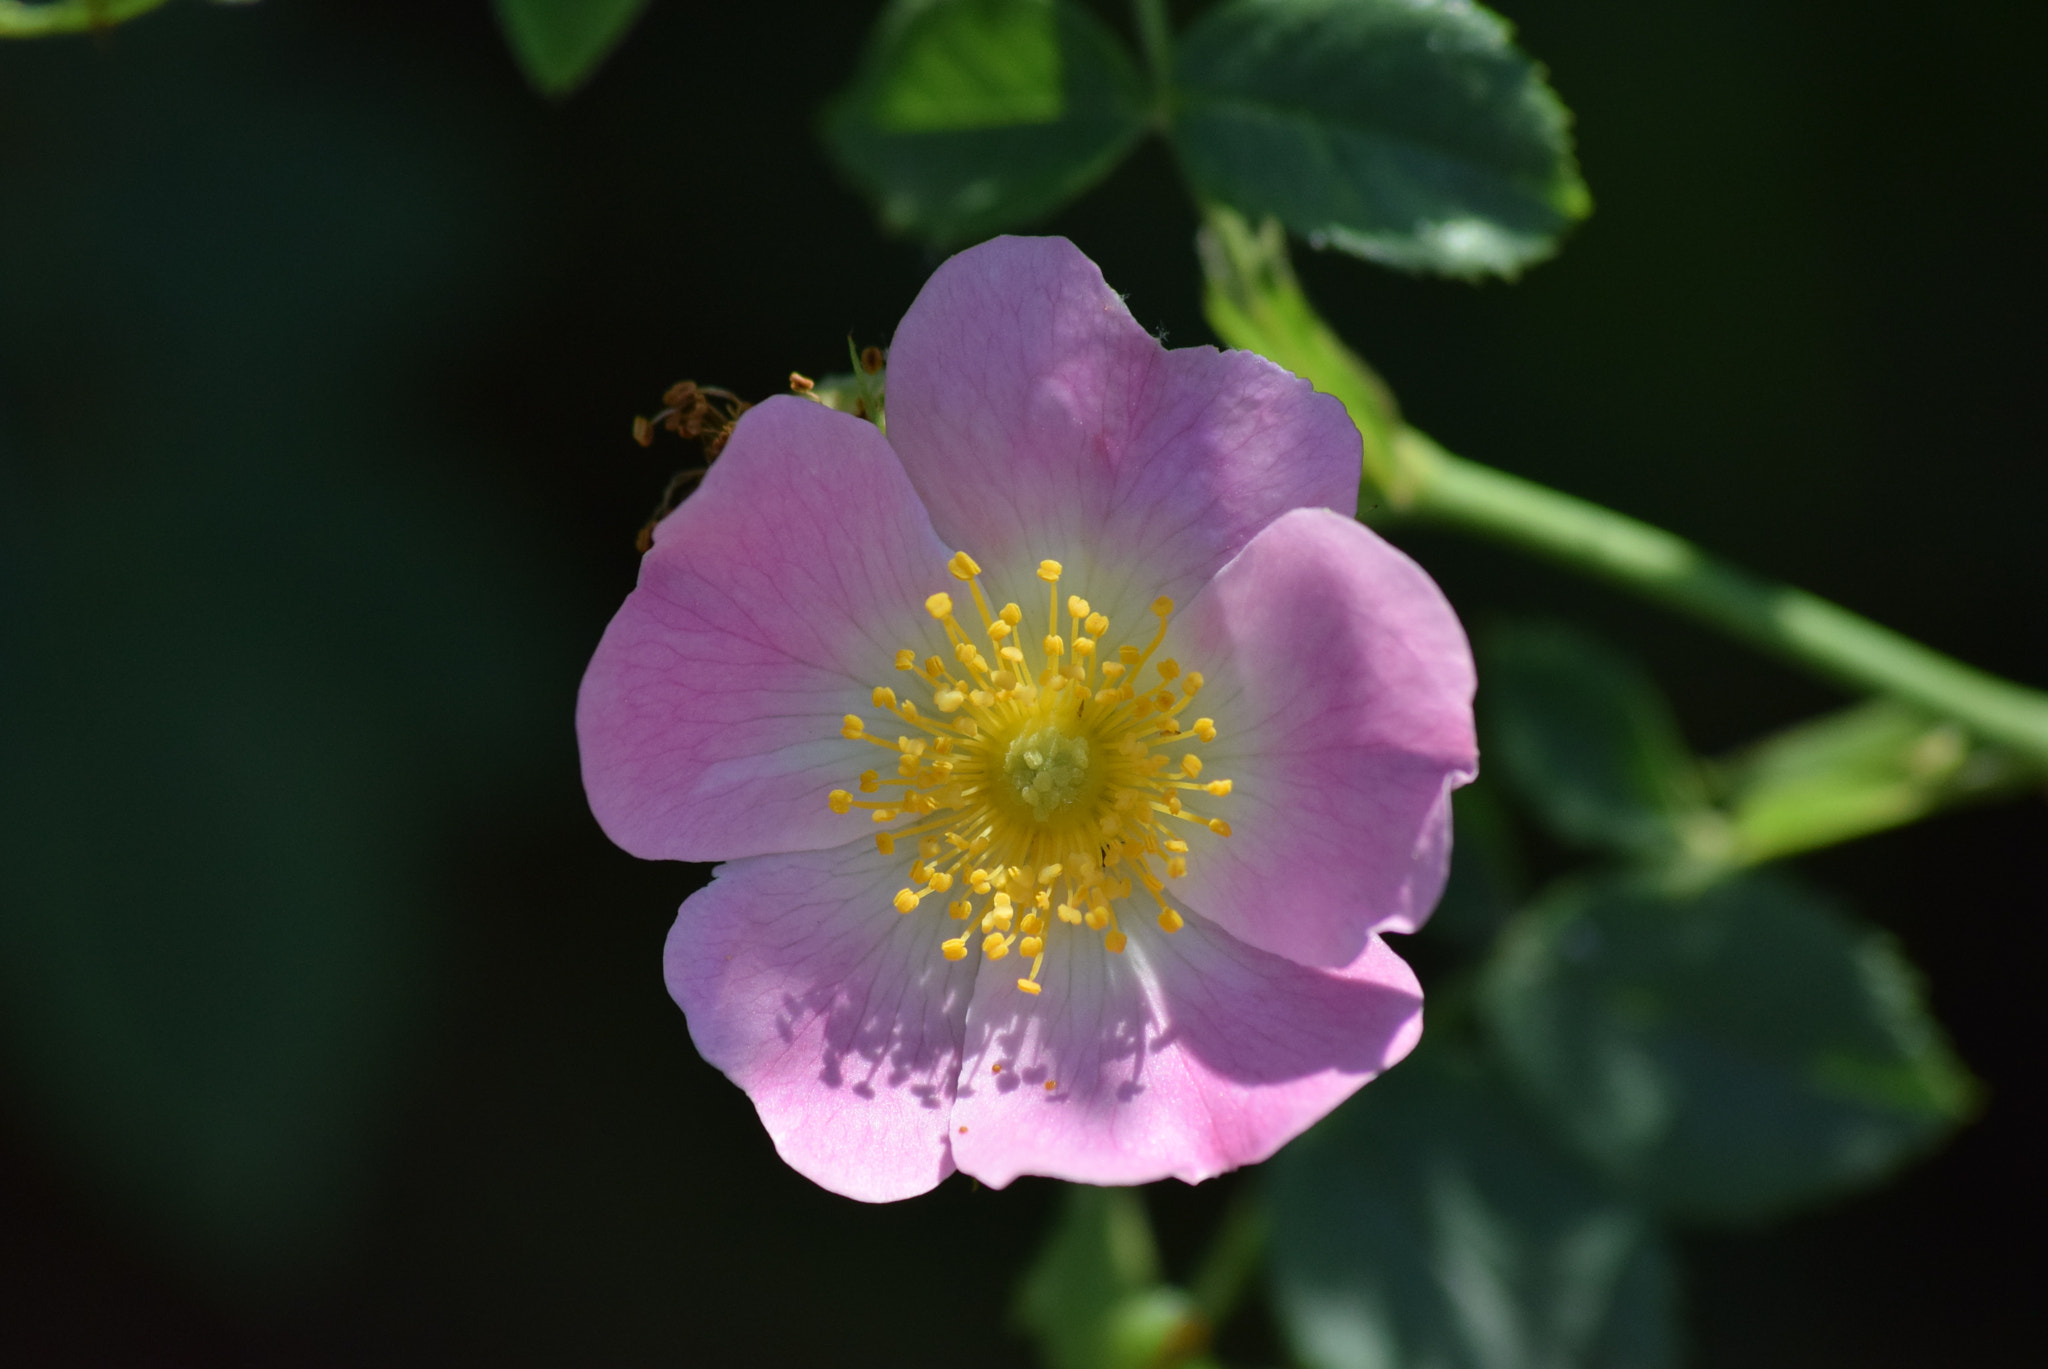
{"points": [[1589, 744], [1409, 132], [1429, 1224], [968, 117], [25, 19], [559, 43], [1726, 1055]]}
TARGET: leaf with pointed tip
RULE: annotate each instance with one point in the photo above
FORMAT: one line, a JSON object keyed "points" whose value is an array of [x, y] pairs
{"points": [[1409, 132], [559, 43], [969, 117]]}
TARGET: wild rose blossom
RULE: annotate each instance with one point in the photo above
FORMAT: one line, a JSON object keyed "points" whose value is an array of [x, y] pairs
{"points": [[1066, 751]]}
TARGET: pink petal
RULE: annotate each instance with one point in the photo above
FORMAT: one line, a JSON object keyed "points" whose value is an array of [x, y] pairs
{"points": [[1038, 419], [1341, 685], [835, 1013], [773, 601], [1187, 1055]]}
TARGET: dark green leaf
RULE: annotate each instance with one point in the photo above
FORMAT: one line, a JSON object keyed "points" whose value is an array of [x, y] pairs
{"points": [[1727, 1054], [1409, 132], [1430, 1225], [968, 117], [1588, 742], [1093, 1298], [559, 43], [1485, 886]]}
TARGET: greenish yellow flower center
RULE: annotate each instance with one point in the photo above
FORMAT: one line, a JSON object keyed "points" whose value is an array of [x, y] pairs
{"points": [[1051, 781]]}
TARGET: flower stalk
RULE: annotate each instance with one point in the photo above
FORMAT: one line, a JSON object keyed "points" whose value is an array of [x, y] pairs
{"points": [[1253, 301]]}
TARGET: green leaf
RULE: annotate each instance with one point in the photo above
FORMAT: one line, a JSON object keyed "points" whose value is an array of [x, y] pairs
{"points": [[1429, 1224], [1729, 1054], [1093, 1298], [968, 117], [1862, 770], [1587, 741], [1486, 882], [26, 19], [1409, 132], [559, 43]]}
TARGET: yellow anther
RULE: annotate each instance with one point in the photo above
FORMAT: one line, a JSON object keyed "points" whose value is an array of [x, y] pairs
{"points": [[1070, 915], [1173, 804], [1191, 765], [1114, 943], [994, 947], [1174, 844], [1170, 921], [980, 698], [885, 843], [1128, 654], [1219, 827], [941, 881], [1043, 898], [1163, 701], [1205, 728], [1031, 926], [963, 566], [1002, 900], [1052, 1085], [853, 727], [1031, 946], [905, 659], [934, 668], [954, 949], [1169, 668], [928, 848], [1217, 786], [1012, 655], [883, 697], [1098, 917], [959, 909], [1096, 625], [1029, 986], [905, 901], [908, 710], [1192, 685], [1162, 606], [940, 605], [1048, 873], [949, 700], [839, 801], [870, 781], [998, 630], [1011, 614], [1054, 647], [1084, 646], [1077, 606], [1175, 868], [1049, 571]]}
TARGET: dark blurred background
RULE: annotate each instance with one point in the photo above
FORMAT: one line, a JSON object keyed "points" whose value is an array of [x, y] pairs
{"points": [[331, 1028]]}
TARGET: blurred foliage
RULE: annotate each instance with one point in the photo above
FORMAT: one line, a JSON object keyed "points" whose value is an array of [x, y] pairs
{"points": [[559, 43], [256, 646], [1429, 1225], [970, 116], [48, 18], [1588, 743], [1726, 1055], [1093, 1298]]}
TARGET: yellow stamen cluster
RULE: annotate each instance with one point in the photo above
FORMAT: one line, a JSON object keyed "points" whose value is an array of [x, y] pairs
{"points": [[1047, 786]]}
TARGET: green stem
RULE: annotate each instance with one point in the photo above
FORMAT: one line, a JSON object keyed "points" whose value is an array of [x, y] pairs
{"points": [[1789, 623], [1230, 1262], [1253, 301], [1155, 36]]}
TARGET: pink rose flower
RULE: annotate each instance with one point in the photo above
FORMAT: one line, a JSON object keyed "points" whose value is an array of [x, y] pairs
{"points": [[1067, 748]]}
